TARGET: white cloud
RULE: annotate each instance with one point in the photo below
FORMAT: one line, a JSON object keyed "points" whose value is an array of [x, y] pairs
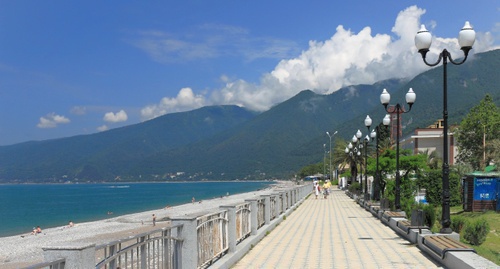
{"points": [[51, 120], [347, 58], [185, 100], [102, 128], [120, 116], [78, 110], [210, 41]]}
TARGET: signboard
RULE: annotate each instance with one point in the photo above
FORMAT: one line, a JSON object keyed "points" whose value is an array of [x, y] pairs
{"points": [[485, 189]]}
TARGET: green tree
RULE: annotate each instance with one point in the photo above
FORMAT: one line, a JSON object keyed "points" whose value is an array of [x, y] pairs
{"points": [[410, 169], [346, 160], [434, 161], [311, 169], [432, 182], [478, 134]]}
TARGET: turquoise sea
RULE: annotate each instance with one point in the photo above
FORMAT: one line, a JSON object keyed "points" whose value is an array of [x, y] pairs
{"points": [[25, 206]]}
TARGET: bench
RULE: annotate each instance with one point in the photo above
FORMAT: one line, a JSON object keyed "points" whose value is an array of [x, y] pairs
{"points": [[441, 244], [405, 225], [393, 214]]}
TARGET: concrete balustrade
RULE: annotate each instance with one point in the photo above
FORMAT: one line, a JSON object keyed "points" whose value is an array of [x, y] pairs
{"points": [[216, 239]]}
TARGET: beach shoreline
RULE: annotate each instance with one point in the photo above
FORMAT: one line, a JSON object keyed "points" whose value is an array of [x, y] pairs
{"points": [[26, 249]]}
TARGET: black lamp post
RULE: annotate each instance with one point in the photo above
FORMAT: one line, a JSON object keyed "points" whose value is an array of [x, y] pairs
{"points": [[423, 40], [375, 134], [358, 136], [368, 123], [366, 140], [376, 181], [330, 136], [352, 151], [324, 161], [385, 97]]}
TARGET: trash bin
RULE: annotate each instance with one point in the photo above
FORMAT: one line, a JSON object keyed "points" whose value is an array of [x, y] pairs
{"points": [[417, 217]]}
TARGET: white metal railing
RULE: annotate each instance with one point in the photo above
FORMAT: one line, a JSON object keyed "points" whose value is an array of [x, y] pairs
{"points": [[156, 249], [243, 222], [261, 220], [274, 205], [212, 237], [203, 239]]}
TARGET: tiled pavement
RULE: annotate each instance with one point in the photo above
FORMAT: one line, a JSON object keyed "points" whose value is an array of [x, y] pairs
{"points": [[334, 233]]}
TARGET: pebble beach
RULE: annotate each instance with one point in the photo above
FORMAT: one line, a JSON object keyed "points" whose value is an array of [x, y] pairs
{"points": [[26, 249]]}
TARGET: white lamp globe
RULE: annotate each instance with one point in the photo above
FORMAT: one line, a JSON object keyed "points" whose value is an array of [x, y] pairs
{"points": [[466, 36], [423, 39]]}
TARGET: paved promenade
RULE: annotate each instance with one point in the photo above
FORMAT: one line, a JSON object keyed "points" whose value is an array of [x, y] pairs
{"points": [[334, 233]]}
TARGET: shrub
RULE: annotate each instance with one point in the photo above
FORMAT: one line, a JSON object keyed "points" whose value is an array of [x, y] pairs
{"points": [[355, 188], [457, 223], [475, 231]]}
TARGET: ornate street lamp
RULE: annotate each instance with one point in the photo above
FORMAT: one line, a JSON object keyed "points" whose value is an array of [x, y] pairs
{"points": [[330, 136], [423, 40], [375, 134], [368, 123], [352, 151], [358, 135], [366, 140], [385, 98], [324, 160]]}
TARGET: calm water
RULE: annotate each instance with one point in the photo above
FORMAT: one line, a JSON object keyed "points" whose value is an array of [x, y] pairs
{"points": [[23, 207]]}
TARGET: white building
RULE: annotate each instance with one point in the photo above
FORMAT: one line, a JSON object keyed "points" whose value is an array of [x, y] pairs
{"points": [[431, 139]]}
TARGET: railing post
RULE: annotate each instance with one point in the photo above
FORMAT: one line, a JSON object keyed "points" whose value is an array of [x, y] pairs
{"points": [[288, 199], [267, 209], [254, 215], [177, 259], [284, 198], [283, 202], [77, 256], [144, 255], [231, 228], [189, 234]]}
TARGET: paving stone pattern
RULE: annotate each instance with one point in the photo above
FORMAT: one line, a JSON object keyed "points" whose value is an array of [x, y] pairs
{"points": [[334, 233]]}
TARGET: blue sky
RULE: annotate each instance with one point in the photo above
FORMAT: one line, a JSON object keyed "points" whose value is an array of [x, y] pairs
{"points": [[81, 67]]}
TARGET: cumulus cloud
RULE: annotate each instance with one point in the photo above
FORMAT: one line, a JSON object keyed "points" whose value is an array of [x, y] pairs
{"points": [[120, 116], [102, 128], [185, 100], [51, 120], [347, 58]]}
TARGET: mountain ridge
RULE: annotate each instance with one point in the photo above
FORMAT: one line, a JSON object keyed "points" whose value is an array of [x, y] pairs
{"points": [[246, 145]]}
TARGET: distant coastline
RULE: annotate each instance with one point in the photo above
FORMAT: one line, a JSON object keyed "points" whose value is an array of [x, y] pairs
{"points": [[52, 205], [136, 182], [23, 249]]}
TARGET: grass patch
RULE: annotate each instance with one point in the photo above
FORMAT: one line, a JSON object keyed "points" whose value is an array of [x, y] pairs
{"points": [[490, 249]]}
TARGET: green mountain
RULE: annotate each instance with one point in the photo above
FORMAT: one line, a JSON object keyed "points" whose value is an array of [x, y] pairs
{"points": [[103, 156], [231, 143]]}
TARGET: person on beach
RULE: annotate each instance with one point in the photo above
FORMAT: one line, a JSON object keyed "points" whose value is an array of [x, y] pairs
{"points": [[37, 230], [154, 220], [193, 200], [71, 224]]}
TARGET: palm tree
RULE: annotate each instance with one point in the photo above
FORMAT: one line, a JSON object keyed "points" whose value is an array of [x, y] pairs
{"points": [[434, 161]]}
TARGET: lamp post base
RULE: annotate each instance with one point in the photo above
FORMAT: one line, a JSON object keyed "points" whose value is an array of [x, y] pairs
{"points": [[446, 231]]}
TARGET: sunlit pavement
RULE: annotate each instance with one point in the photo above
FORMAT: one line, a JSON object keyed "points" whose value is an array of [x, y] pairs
{"points": [[334, 233]]}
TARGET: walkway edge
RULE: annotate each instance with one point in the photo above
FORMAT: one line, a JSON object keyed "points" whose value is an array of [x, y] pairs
{"points": [[451, 259]]}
